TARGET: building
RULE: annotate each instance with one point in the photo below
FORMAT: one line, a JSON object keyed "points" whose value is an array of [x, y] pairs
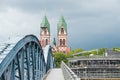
{"points": [[62, 36], [45, 32], [97, 68], [62, 33]]}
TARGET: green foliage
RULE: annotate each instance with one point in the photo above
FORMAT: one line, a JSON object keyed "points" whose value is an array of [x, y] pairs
{"points": [[76, 51], [95, 52], [60, 56], [116, 49], [101, 51]]}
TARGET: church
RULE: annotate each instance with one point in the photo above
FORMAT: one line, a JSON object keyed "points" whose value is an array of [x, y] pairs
{"points": [[62, 33]]}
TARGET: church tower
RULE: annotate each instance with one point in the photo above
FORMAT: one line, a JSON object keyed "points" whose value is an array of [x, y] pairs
{"points": [[45, 32], [62, 35]]}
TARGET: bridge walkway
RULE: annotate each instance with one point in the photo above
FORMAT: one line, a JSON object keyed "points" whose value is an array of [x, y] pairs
{"points": [[55, 74]]}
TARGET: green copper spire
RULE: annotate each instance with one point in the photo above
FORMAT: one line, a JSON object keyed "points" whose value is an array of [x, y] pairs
{"points": [[62, 23], [45, 23]]}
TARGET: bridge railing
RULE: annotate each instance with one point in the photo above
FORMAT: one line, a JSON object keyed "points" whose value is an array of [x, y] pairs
{"points": [[68, 73]]}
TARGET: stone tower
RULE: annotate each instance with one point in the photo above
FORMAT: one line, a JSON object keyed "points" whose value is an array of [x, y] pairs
{"points": [[45, 32], [62, 35]]}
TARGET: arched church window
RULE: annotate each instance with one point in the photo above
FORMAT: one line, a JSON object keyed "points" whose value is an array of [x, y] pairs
{"points": [[60, 42], [64, 42], [46, 41], [62, 31]]}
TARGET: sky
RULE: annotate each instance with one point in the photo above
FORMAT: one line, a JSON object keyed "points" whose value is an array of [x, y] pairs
{"points": [[91, 24]]}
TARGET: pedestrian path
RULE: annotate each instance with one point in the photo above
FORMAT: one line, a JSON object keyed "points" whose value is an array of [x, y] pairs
{"points": [[55, 74]]}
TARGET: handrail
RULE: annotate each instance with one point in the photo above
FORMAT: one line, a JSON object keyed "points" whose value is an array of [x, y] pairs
{"points": [[68, 73]]}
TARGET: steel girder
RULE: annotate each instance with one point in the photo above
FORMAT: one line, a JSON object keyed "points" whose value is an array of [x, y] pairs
{"points": [[50, 61], [26, 61]]}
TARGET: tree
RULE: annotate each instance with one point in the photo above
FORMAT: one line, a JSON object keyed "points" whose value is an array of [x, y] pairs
{"points": [[76, 51], [58, 57]]}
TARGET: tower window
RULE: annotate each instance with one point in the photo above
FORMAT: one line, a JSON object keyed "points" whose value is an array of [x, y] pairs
{"points": [[46, 41], [64, 42], [62, 31], [60, 42]]}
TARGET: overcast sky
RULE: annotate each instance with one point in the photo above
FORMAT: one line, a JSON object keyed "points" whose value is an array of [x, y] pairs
{"points": [[91, 23]]}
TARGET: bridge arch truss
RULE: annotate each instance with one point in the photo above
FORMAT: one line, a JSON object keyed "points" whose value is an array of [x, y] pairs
{"points": [[25, 61]]}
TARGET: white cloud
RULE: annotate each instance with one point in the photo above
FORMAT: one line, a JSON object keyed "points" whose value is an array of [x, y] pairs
{"points": [[14, 22], [87, 18]]}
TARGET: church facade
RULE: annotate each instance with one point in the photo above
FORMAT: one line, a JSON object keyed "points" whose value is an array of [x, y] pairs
{"points": [[62, 33]]}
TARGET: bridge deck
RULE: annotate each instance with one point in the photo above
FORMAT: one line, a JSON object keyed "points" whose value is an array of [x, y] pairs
{"points": [[55, 74]]}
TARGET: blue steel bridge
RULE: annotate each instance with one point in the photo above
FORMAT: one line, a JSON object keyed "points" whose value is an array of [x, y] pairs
{"points": [[24, 59]]}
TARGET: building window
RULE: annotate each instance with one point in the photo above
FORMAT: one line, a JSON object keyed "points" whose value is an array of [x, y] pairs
{"points": [[64, 42], [46, 41], [60, 42], [62, 31]]}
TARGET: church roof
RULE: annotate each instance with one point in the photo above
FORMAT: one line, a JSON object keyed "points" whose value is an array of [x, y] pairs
{"points": [[45, 23], [62, 23]]}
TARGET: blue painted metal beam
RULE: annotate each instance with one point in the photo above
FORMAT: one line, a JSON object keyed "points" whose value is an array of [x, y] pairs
{"points": [[26, 61]]}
